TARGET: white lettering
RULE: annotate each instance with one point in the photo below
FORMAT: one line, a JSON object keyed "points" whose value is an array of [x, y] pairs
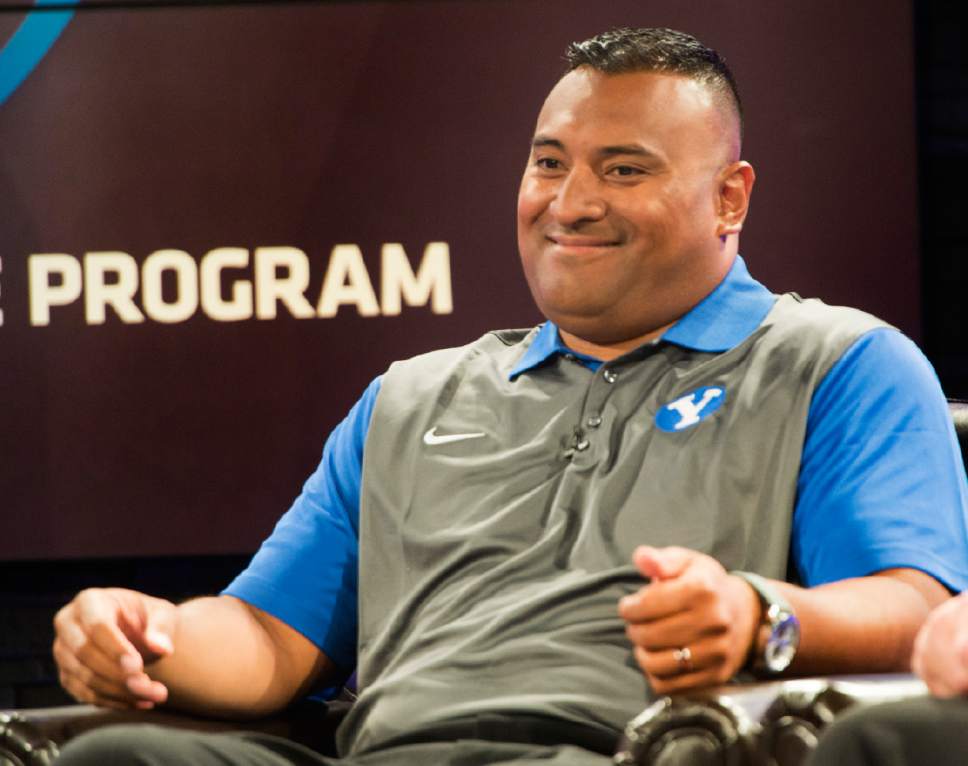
{"points": [[240, 306], [270, 287], [173, 284], [119, 294], [432, 282], [186, 286], [43, 294], [347, 282]]}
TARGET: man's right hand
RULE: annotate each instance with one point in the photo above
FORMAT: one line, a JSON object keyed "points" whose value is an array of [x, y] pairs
{"points": [[105, 641]]}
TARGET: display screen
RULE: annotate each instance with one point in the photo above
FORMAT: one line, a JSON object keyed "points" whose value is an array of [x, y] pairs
{"points": [[219, 222]]}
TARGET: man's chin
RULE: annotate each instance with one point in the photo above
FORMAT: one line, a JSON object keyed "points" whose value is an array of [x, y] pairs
{"points": [[591, 329], [606, 329]]}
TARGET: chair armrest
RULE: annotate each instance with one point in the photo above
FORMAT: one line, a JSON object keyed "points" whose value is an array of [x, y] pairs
{"points": [[740, 724], [33, 736]]}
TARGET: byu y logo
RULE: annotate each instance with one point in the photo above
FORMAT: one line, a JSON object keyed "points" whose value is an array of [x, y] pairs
{"points": [[688, 410]]}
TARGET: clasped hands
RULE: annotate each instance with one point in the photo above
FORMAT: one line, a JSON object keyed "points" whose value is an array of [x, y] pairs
{"points": [[693, 624]]}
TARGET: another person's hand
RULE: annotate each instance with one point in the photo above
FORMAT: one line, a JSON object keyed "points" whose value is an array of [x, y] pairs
{"points": [[693, 624], [941, 648], [104, 640]]}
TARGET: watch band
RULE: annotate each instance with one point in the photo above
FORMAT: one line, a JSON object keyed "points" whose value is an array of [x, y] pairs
{"points": [[784, 639]]}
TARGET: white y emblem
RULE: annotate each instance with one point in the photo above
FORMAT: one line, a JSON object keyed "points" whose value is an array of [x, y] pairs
{"points": [[432, 438], [688, 410]]}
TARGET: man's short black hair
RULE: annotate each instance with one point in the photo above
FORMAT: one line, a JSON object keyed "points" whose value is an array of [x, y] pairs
{"points": [[657, 50]]}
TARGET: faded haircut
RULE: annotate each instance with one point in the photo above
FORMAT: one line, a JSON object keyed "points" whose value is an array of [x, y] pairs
{"points": [[658, 50]]}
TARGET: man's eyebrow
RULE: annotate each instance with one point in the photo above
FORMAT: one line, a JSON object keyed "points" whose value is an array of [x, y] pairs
{"points": [[539, 141], [633, 149], [636, 150]]}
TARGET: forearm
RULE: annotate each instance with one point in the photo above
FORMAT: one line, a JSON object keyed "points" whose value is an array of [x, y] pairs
{"points": [[865, 624], [227, 661]]}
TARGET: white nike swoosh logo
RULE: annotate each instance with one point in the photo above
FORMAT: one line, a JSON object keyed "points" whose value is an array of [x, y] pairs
{"points": [[432, 438]]}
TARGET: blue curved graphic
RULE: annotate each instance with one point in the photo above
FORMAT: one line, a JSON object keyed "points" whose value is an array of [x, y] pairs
{"points": [[30, 43]]}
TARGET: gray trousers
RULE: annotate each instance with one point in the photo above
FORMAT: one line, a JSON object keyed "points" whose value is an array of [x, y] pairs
{"points": [[917, 732], [150, 745]]}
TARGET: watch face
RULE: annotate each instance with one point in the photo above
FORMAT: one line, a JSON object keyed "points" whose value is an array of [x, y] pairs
{"points": [[782, 644]]}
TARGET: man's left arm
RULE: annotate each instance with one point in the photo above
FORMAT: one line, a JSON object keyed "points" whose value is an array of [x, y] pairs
{"points": [[697, 625], [878, 535]]}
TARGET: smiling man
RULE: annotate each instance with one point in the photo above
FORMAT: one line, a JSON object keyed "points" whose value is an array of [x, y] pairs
{"points": [[627, 206], [519, 542]]}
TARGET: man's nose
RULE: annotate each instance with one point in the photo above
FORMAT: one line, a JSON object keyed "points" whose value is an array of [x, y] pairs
{"points": [[579, 198]]}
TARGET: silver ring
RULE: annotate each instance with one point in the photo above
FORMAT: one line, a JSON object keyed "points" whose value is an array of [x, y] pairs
{"points": [[683, 658]]}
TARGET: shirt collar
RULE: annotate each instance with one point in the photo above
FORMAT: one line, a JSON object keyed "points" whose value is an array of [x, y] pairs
{"points": [[727, 316], [719, 322]]}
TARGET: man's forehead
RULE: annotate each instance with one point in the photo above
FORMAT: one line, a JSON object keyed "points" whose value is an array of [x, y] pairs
{"points": [[620, 108]]}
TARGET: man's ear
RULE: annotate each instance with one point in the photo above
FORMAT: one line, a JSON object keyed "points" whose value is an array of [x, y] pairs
{"points": [[735, 188]]}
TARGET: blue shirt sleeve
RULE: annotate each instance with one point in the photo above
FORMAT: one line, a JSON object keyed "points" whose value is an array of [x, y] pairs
{"points": [[305, 573], [882, 483]]}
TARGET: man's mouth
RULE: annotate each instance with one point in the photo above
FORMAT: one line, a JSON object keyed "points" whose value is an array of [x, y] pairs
{"points": [[581, 242]]}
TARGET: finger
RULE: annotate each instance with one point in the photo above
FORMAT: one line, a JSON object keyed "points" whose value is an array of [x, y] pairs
{"points": [[73, 650], [76, 676], [99, 691], [145, 688], [158, 642], [98, 618], [680, 629], [697, 674], [939, 687], [77, 647], [662, 563], [666, 663], [80, 691], [111, 641], [659, 600], [150, 636]]}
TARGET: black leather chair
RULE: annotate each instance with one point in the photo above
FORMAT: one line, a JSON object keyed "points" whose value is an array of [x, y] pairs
{"points": [[773, 723]]}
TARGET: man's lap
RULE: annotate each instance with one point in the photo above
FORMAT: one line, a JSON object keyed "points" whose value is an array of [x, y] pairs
{"points": [[149, 745]]}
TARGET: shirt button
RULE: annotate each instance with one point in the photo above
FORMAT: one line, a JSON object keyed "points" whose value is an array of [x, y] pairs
{"points": [[570, 357], [594, 421], [610, 375]]}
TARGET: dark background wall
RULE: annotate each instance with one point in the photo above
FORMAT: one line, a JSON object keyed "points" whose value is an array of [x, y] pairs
{"points": [[842, 204], [310, 125], [942, 110]]}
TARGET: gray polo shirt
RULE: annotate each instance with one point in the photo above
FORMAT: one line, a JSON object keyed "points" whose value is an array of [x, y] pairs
{"points": [[479, 506], [499, 511]]}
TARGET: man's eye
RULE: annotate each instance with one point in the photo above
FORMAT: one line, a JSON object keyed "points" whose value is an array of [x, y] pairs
{"points": [[548, 163], [625, 170]]}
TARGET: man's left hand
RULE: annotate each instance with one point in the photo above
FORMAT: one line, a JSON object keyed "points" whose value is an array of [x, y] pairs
{"points": [[693, 624]]}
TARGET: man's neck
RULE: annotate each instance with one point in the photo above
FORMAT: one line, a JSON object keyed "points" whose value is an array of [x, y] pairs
{"points": [[608, 351]]}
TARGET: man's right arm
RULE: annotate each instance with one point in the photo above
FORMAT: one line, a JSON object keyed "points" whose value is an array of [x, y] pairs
{"points": [[217, 655], [282, 626]]}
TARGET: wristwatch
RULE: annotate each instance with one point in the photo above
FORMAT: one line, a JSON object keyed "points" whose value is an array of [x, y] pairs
{"points": [[784, 638]]}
